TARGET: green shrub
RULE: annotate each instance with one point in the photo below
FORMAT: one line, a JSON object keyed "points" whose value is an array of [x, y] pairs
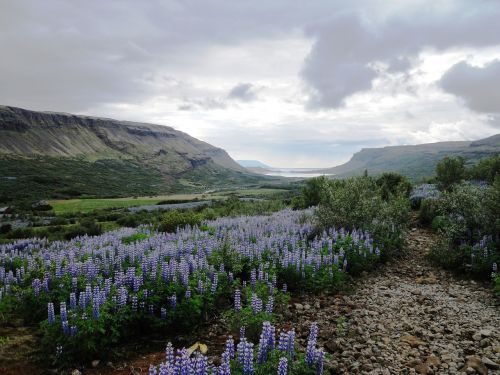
{"points": [[486, 169], [175, 219], [449, 171], [5, 228], [428, 211], [357, 203], [468, 227], [392, 184]]}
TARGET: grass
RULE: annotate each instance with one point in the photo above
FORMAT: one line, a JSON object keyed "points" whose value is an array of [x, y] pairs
{"points": [[64, 206]]}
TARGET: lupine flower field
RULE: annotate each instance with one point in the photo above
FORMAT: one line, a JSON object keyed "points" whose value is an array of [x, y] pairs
{"points": [[94, 293]]}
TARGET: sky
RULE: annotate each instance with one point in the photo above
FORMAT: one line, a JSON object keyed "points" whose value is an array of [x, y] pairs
{"points": [[289, 83]]}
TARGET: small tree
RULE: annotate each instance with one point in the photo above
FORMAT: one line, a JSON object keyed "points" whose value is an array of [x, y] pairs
{"points": [[449, 171]]}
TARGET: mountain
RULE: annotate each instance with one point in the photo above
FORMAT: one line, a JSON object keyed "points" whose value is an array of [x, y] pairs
{"points": [[414, 161], [58, 154], [252, 164]]}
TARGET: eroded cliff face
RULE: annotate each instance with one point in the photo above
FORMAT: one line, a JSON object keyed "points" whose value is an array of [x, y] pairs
{"points": [[28, 133]]}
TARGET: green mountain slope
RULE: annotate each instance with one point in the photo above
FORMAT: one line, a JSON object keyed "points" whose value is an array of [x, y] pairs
{"points": [[416, 161], [57, 155]]}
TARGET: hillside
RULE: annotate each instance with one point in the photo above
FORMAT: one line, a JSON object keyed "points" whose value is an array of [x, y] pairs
{"points": [[415, 161], [59, 154]]}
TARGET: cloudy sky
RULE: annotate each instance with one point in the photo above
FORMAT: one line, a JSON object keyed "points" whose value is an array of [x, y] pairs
{"points": [[289, 83]]}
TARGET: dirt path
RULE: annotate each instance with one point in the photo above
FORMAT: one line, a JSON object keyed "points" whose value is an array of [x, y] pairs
{"points": [[407, 318]]}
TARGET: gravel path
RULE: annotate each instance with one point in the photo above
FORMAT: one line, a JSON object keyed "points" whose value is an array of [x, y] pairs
{"points": [[407, 318]]}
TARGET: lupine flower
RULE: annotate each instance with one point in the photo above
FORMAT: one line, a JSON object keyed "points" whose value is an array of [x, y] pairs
{"points": [[270, 305], [152, 370], [224, 368], [63, 312], [248, 359], [320, 357], [169, 353], [311, 345], [283, 366], [242, 332], [230, 347], [50, 313], [237, 300]]}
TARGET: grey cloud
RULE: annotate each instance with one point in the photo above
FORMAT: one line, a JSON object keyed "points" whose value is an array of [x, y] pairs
{"points": [[341, 61], [243, 91], [478, 87]]}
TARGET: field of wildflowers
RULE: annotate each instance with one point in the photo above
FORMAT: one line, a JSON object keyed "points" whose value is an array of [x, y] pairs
{"points": [[91, 294]]}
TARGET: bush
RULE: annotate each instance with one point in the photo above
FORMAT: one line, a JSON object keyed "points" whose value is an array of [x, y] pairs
{"points": [[421, 192], [469, 229], [5, 228], [450, 171], [175, 219], [358, 203], [486, 169], [428, 211], [392, 184]]}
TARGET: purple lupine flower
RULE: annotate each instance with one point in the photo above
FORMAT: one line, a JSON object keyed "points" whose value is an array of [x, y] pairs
{"points": [[248, 359], [283, 366], [291, 343], [169, 353], [237, 300], [65, 327], [163, 313], [285, 288], [152, 370], [37, 286], [283, 341], [270, 305], [265, 342], [215, 281], [256, 304], [73, 330], [173, 301], [230, 346], [320, 357], [63, 312], [72, 301], [311, 345], [224, 368], [242, 332], [95, 310], [240, 350], [50, 313], [253, 278], [134, 303]]}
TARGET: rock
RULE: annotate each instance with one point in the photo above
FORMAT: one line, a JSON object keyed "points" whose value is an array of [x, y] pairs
{"points": [[413, 341], [476, 363], [299, 306], [432, 360], [423, 369], [307, 307], [95, 363], [490, 364], [470, 370], [76, 372], [485, 332], [431, 279], [476, 337]]}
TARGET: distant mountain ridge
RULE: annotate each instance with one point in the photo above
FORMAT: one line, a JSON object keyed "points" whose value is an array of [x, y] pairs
{"points": [[414, 161], [167, 158], [252, 164]]}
